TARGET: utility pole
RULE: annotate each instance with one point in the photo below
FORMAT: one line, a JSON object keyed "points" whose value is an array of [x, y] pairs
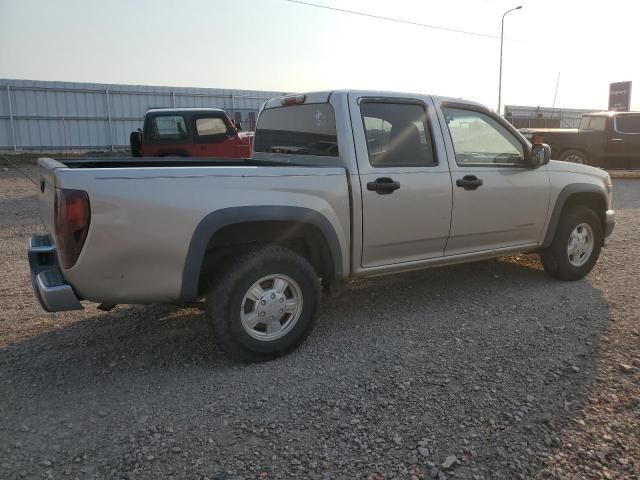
{"points": [[501, 43]]}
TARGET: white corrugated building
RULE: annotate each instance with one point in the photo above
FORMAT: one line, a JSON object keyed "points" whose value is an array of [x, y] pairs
{"points": [[543, 117], [41, 115]]}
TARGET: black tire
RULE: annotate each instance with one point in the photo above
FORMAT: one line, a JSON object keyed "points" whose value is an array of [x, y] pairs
{"points": [[555, 258], [574, 156], [225, 300]]}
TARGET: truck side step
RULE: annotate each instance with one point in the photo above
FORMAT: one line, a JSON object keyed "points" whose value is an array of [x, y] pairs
{"points": [[52, 278], [41, 244], [49, 285], [53, 292]]}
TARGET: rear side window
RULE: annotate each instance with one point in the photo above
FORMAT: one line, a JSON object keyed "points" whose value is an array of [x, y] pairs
{"points": [[210, 126], [298, 130], [168, 127], [597, 123], [628, 123], [397, 134], [593, 123]]}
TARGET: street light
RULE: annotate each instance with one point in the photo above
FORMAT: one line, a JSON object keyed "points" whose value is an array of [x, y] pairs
{"points": [[501, 42]]}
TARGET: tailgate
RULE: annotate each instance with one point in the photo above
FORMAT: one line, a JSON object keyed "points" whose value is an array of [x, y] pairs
{"points": [[47, 190]]}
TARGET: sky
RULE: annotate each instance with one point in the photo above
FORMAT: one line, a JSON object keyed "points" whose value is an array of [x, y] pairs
{"points": [[284, 46]]}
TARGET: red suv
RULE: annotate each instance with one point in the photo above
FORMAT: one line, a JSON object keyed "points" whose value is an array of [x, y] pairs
{"points": [[190, 132]]}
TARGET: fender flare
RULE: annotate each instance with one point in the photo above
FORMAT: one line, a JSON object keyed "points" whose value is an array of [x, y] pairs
{"points": [[561, 201], [219, 219]]}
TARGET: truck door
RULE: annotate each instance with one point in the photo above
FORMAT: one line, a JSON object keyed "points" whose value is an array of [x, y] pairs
{"points": [[498, 202], [404, 179], [213, 137], [624, 143]]}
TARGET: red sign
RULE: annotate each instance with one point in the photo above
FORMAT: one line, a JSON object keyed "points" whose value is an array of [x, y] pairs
{"points": [[620, 96]]}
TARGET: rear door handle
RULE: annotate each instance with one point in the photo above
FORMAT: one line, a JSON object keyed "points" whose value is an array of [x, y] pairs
{"points": [[469, 182], [383, 185]]}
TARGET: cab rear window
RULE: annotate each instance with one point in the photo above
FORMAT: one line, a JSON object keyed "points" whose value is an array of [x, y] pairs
{"points": [[297, 130]]}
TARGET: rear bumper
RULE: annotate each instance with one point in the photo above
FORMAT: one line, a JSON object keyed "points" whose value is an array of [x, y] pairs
{"points": [[49, 286], [609, 222]]}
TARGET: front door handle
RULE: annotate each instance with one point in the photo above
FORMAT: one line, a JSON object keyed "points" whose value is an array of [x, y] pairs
{"points": [[383, 186], [469, 182]]}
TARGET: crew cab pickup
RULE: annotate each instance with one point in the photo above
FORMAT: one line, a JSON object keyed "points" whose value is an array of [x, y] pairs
{"points": [[190, 132], [603, 139], [341, 184]]}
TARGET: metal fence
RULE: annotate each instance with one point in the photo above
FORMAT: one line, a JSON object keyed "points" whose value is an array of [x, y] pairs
{"points": [[62, 116], [543, 117]]}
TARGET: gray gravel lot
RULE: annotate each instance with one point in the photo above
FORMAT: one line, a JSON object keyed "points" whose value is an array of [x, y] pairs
{"points": [[490, 370]]}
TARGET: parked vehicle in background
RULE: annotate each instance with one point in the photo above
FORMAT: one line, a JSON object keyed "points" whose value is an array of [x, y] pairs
{"points": [[603, 139], [190, 132], [341, 184]]}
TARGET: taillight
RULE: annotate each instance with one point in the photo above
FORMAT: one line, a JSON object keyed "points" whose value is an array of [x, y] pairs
{"points": [[72, 215]]}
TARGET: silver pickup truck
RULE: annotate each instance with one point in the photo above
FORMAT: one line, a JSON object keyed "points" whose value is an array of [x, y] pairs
{"points": [[341, 184]]}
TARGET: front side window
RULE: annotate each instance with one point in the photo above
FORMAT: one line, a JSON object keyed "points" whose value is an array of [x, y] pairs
{"points": [[298, 130], [237, 118], [397, 135], [584, 123], [478, 139], [210, 126], [168, 127], [628, 123]]}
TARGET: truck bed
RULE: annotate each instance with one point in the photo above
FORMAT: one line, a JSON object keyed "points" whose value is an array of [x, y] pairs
{"points": [[145, 213], [133, 162]]}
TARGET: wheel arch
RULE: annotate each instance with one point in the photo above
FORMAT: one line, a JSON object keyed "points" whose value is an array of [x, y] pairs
{"points": [[576, 194], [222, 232]]}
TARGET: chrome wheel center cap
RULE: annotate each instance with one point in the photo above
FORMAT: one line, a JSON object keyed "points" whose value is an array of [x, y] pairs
{"points": [[270, 307]]}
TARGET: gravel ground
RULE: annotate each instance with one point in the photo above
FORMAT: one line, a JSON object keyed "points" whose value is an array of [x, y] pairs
{"points": [[491, 370]]}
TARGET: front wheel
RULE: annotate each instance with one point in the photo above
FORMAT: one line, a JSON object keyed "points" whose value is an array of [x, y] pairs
{"points": [[574, 156], [576, 245], [264, 303]]}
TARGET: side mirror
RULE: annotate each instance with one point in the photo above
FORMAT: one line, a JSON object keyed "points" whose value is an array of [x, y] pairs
{"points": [[539, 155], [238, 125]]}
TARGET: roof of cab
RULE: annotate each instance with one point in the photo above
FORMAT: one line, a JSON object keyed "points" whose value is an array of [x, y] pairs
{"points": [[323, 97], [187, 109], [609, 113]]}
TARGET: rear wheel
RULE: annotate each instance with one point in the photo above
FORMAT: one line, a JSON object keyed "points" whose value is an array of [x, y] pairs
{"points": [[574, 156], [264, 303], [576, 245]]}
